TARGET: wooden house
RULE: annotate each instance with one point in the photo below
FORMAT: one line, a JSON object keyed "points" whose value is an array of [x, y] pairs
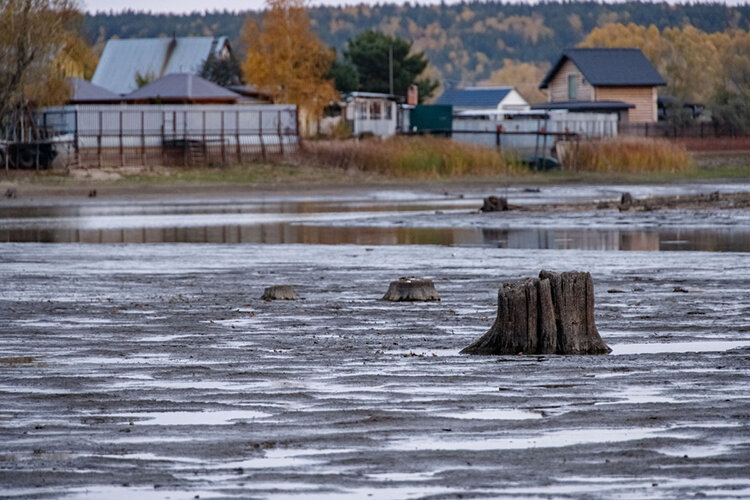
{"points": [[619, 80]]}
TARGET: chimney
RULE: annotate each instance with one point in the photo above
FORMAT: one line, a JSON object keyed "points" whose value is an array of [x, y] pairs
{"points": [[412, 95]]}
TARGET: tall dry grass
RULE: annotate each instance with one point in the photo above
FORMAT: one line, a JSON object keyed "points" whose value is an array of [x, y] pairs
{"points": [[625, 155], [410, 157]]}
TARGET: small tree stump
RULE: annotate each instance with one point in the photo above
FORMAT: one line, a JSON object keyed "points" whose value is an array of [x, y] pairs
{"points": [[552, 314], [279, 292], [411, 289], [494, 204], [626, 202]]}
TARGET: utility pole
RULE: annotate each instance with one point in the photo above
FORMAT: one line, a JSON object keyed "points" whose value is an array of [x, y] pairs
{"points": [[390, 67]]}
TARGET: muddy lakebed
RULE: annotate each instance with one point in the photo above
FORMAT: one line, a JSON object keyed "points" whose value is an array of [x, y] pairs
{"points": [[138, 360]]}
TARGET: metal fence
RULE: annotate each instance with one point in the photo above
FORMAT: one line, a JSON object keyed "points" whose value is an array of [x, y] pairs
{"points": [[701, 130], [119, 135]]}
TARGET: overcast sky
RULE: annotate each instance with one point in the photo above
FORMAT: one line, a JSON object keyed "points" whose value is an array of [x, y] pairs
{"points": [[186, 6]]}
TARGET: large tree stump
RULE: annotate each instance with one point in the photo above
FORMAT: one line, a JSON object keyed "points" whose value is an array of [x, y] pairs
{"points": [[411, 289], [279, 292], [552, 314], [494, 204]]}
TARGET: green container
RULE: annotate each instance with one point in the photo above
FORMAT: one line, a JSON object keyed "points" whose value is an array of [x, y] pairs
{"points": [[435, 119]]}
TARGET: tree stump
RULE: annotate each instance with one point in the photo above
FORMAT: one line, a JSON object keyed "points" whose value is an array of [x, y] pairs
{"points": [[552, 314], [411, 289], [279, 292], [494, 204]]}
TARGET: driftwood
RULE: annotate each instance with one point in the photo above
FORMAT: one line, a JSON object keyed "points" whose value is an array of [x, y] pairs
{"points": [[279, 292], [552, 314], [411, 289], [494, 204]]}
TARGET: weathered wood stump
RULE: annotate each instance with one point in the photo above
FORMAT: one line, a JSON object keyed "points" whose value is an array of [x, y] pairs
{"points": [[552, 314], [279, 292], [626, 202], [494, 204], [411, 289]]}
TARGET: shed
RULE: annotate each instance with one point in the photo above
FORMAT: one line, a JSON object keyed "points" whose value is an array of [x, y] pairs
{"points": [[588, 75], [122, 60], [371, 112]]}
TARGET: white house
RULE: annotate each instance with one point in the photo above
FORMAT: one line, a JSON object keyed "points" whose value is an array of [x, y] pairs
{"points": [[502, 99], [372, 112]]}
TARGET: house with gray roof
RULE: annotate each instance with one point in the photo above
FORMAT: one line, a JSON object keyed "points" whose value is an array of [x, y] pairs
{"points": [[150, 58], [483, 98], [85, 92], [611, 80]]}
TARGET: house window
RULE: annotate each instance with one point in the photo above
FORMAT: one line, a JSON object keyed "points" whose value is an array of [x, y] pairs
{"points": [[375, 110], [572, 87], [362, 110]]}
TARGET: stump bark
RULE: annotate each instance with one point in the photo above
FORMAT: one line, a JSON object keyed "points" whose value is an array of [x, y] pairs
{"points": [[494, 204], [552, 314], [279, 292], [411, 289]]}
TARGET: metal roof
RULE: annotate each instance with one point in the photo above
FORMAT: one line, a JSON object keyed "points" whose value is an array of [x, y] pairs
{"points": [[182, 87], [609, 68], [474, 97], [123, 59], [600, 106], [86, 92]]}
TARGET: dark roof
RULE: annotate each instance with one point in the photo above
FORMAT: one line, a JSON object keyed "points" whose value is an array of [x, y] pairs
{"points": [[609, 68], [182, 87], [600, 106], [86, 92], [474, 97]]}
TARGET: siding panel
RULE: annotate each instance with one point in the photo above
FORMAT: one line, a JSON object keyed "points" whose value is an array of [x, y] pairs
{"points": [[558, 86], [644, 99]]}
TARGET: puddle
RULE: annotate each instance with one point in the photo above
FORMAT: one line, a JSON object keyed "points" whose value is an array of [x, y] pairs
{"points": [[557, 439], [492, 414], [228, 417], [677, 347]]}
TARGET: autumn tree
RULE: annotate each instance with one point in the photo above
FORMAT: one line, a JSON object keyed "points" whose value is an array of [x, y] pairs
{"points": [[369, 54], [286, 59], [39, 44], [687, 58], [524, 76]]}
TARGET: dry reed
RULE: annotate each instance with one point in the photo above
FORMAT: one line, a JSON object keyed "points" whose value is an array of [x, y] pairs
{"points": [[409, 157], [625, 155]]}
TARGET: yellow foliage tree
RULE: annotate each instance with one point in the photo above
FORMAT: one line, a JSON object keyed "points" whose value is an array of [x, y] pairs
{"points": [[33, 35], [688, 59], [286, 59], [524, 76]]}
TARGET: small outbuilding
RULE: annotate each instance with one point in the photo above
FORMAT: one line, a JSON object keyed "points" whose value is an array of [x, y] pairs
{"points": [[371, 112], [182, 88], [503, 98]]}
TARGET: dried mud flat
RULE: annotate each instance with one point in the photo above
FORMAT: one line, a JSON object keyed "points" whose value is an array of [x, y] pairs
{"points": [[155, 371]]}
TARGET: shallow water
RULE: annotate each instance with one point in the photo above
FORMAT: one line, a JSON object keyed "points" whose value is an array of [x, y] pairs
{"points": [[384, 218]]}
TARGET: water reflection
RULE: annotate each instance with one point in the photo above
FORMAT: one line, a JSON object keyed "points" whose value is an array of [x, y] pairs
{"points": [[709, 240]]}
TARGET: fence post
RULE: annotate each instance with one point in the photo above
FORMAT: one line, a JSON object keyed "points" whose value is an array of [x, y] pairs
{"points": [[99, 142], [260, 135], [77, 152], [498, 131], [223, 146], [203, 136], [281, 137], [237, 133], [122, 151], [143, 139], [184, 138]]}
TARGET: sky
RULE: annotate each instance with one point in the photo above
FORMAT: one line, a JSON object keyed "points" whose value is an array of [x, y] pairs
{"points": [[187, 6]]}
